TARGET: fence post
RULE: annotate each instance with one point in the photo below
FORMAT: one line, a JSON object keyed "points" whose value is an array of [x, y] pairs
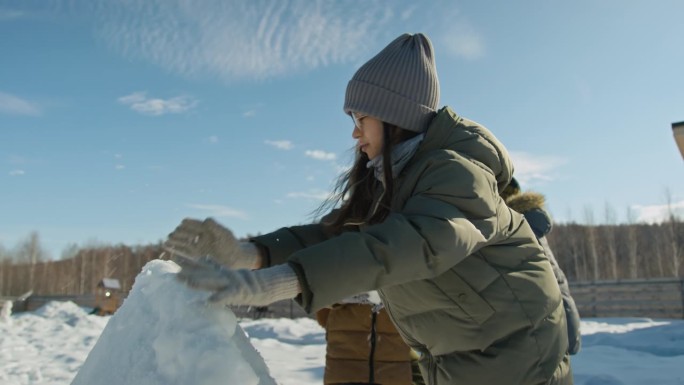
{"points": [[681, 292], [594, 313]]}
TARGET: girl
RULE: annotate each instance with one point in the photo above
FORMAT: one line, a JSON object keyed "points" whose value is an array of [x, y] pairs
{"points": [[419, 219]]}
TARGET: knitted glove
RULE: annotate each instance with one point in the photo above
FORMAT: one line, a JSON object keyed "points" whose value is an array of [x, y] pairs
{"points": [[239, 287], [194, 239]]}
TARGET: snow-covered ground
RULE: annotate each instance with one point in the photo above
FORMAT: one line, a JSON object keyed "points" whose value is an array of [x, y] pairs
{"points": [[50, 345]]}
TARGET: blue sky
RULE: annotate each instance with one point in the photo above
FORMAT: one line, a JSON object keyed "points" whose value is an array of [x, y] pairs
{"points": [[120, 118]]}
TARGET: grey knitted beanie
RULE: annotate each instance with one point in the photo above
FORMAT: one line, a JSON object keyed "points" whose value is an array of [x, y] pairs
{"points": [[399, 85]]}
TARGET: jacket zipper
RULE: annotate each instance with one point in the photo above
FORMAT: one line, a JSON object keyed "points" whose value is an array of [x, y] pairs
{"points": [[432, 370], [373, 340]]}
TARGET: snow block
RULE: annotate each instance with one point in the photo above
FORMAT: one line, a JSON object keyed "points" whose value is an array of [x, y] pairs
{"points": [[166, 333]]}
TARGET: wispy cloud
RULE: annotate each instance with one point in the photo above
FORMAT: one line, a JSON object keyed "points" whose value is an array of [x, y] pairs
{"points": [[320, 155], [10, 14], [249, 114], [318, 195], [213, 139], [17, 159], [237, 40], [138, 101], [17, 173], [407, 13], [531, 168], [280, 144], [219, 211], [658, 213], [11, 104], [257, 40], [119, 167], [462, 39]]}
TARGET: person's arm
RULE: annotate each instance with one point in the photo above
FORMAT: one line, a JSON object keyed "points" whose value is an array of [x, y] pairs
{"points": [[259, 287], [276, 247], [453, 213], [572, 315], [539, 220]]}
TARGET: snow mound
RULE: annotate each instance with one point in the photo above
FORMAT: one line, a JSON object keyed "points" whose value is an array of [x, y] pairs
{"points": [[68, 312], [296, 332], [167, 334], [663, 338]]}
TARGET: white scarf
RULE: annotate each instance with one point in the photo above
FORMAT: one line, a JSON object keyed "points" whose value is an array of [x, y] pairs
{"points": [[401, 154]]}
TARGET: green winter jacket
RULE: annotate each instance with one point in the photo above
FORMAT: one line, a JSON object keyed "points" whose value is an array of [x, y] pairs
{"points": [[462, 276]]}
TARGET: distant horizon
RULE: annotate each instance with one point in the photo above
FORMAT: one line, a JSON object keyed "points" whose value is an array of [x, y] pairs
{"points": [[95, 243]]}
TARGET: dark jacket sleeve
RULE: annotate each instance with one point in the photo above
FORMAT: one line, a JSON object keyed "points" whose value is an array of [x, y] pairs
{"points": [[280, 244], [539, 220], [571, 313]]}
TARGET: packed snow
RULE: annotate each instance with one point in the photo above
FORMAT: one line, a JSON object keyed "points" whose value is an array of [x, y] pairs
{"points": [[165, 333]]}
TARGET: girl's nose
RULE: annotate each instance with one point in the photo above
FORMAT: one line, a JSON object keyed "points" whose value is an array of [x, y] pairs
{"points": [[356, 133]]}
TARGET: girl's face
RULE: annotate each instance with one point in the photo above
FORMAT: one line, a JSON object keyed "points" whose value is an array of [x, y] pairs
{"points": [[368, 132]]}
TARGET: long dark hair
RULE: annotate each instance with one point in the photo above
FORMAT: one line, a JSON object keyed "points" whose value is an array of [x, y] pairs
{"points": [[356, 189]]}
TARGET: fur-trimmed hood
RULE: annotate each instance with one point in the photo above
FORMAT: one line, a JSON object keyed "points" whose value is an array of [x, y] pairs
{"points": [[531, 205], [526, 201]]}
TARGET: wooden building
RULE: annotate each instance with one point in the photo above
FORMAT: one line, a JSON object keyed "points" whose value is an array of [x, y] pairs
{"points": [[107, 296]]}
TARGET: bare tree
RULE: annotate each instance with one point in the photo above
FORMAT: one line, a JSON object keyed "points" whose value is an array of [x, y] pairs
{"points": [[82, 272], [69, 251], [591, 242], [4, 254], [577, 245], [574, 246], [5, 261], [31, 252], [68, 270], [610, 241], [671, 224], [3, 271], [632, 245], [655, 245]]}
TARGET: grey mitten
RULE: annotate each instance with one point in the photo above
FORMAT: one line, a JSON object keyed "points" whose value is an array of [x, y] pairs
{"points": [[239, 287], [195, 239]]}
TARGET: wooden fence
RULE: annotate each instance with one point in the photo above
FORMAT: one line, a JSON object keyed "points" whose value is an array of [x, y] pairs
{"points": [[281, 309], [37, 301], [652, 298]]}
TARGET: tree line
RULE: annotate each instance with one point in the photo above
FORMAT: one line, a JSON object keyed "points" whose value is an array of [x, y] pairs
{"points": [[584, 252], [78, 274], [626, 251]]}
